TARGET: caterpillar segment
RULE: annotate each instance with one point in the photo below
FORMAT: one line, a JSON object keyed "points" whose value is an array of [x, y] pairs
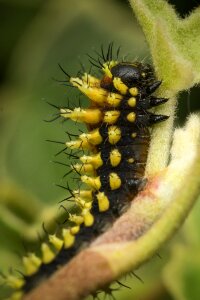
{"points": [[113, 171], [98, 95]]}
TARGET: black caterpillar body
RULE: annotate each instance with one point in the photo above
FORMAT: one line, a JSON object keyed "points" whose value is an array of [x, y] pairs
{"points": [[118, 137]]}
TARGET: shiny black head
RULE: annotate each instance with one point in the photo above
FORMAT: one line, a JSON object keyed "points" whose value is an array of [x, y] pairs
{"points": [[132, 73]]}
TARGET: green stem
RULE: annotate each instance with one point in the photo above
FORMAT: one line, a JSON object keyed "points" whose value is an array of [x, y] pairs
{"points": [[161, 138]]}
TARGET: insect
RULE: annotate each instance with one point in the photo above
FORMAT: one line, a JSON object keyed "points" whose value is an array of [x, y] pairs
{"points": [[112, 168]]}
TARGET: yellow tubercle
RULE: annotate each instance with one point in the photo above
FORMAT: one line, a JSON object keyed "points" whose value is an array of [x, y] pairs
{"points": [[91, 80], [88, 205], [120, 86], [133, 91], [131, 117], [115, 157], [103, 201], [31, 264], [93, 182], [76, 81], [82, 203], [76, 219], [47, 254], [68, 237], [93, 137], [130, 160], [79, 144], [132, 102], [111, 116], [96, 94], [133, 135], [95, 160], [114, 99], [56, 242], [89, 116], [14, 282], [115, 181], [75, 229], [88, 218], [35, 259], [85, 194], [84, 168], [16, 296], [114, 134], [108, 66]]}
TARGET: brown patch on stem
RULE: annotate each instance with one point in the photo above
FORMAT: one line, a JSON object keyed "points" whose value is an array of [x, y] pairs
{"points": [[75, 280]]}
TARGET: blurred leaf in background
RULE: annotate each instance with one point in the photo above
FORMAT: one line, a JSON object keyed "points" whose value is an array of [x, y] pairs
{"points": [[35, 36]]}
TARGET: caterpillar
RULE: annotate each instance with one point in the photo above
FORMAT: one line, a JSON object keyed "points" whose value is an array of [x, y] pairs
{"points": [[118, 137]]}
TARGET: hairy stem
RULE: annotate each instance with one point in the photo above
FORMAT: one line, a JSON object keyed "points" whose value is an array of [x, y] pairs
{"points": [[161, 138]]}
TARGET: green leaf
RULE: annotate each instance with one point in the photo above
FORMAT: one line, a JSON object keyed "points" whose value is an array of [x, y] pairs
{"points": [[183, 272], [174, 42]]}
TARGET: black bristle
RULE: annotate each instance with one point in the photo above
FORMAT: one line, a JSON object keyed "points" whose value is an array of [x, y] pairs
{"points": [[51, 120], [151, 88], [68, 76], [157, 101], [56, 142], [153, 119]]}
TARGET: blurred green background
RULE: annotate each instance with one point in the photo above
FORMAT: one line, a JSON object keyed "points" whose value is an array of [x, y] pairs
{"points": [[35, 36]]}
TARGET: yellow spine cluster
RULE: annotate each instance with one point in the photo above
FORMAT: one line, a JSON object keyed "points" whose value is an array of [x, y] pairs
{"points": [[103, 109]]}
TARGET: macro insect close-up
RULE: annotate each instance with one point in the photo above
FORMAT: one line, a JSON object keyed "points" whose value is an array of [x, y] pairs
{"points": [[119, 117]]}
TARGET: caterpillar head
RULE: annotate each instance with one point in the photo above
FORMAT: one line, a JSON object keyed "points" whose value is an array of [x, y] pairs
{"points": [[129, 73]]}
